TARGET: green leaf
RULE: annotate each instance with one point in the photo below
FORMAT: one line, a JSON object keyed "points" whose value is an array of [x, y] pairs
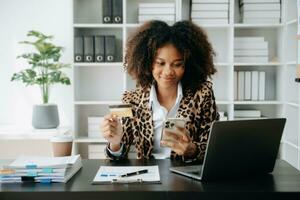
{"points": [[66, 81], [26, 42], [15, 77], [31, 73], [38, 35], [41, 80], [54, 76]]}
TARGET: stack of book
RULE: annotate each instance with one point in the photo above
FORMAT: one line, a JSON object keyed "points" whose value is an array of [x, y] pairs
{"points": [[94, 123], [249, 85], [247, 114], [260, 11], [210, 11], [156, 11], [251, 49], [40, 169]]}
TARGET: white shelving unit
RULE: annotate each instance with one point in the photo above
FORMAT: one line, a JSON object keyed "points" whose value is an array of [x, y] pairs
{"points": [[291, 139], [99, 84]]}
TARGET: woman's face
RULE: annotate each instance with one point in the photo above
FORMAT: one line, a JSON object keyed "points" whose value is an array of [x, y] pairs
{"points": [[168, 66]]}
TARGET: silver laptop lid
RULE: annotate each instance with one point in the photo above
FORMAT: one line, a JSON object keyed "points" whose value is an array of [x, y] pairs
{"points": [[245, 147]]}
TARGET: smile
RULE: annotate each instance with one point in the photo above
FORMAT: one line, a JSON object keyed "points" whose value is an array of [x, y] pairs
{"points": [[167, 79]]}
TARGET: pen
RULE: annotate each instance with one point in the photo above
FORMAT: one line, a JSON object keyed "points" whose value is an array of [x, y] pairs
{"points": [[135, 173], [127, 181]]}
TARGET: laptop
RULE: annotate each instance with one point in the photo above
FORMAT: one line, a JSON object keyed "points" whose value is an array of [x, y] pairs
{"points": [[238, 148]]}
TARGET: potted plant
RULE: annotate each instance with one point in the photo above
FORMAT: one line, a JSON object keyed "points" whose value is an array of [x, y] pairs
{"points": [[44, 71]]}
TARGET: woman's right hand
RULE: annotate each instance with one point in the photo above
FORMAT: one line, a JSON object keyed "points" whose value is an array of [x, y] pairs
{"points": [[112, 131]]}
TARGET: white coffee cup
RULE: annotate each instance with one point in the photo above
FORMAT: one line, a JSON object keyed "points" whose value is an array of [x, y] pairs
{"points": [[62, 145]]}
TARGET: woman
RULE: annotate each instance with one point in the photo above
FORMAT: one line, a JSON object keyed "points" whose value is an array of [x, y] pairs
{"points": [[171, 65]]}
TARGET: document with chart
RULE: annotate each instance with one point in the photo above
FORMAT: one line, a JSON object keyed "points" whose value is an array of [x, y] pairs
{"points": [[127, 174]]}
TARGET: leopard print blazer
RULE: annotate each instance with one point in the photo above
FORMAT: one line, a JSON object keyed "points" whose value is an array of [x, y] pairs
{"points": [[199, 109]]}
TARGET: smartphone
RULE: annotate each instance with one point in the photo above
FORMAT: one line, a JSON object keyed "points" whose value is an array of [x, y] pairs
{"points": [[170, 125]]}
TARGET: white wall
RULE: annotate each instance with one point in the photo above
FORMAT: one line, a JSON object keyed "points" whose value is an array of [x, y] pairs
{"points": [[17, 17]]}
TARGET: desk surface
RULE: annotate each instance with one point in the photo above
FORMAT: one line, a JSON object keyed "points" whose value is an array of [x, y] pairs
{"points": [[283, 183]]}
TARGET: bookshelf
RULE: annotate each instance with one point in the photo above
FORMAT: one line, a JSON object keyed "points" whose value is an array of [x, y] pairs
{"points": [[99, 84], [291, 139]]}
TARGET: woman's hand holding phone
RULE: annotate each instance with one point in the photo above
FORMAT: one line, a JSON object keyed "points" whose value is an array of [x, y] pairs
{"points": [[176, 137]]}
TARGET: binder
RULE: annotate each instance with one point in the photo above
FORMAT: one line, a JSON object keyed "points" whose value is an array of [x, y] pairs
{"points": [[78, 49], [110, 48], [99, 48], [297, 79], [247, 95], [88, 48], [262, 86], [241, 85], [254, 86], [107, 11], [117, 11], [235, 80]]}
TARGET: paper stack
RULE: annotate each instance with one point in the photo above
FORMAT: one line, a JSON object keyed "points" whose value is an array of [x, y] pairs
{"points": [[251, 49], [40, 169], [156, 11], [260, 11], [247, 114], [210, 11]]}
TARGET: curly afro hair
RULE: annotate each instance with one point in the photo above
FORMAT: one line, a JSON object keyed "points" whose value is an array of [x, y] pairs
{"points": [[191, 42]]}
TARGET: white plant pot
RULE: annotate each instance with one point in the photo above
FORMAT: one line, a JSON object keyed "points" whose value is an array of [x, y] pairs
{"points": [[45, 116]]}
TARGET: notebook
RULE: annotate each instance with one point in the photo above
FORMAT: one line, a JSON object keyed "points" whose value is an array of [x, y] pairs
{"points": [[237, 149]]}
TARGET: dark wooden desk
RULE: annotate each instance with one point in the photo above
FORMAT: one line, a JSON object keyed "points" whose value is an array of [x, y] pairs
{"points": [[283, 183]]}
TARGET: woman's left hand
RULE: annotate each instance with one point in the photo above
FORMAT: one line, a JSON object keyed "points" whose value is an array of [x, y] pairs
{"points": [[180, 142]]}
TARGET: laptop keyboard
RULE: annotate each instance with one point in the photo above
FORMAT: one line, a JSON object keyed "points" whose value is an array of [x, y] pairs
{"points": [[193, 169]]}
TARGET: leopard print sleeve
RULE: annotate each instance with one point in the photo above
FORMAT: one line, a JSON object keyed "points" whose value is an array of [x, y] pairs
{"points": [[205, 116], [127, 139], [201, 110], [127, 130]]}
